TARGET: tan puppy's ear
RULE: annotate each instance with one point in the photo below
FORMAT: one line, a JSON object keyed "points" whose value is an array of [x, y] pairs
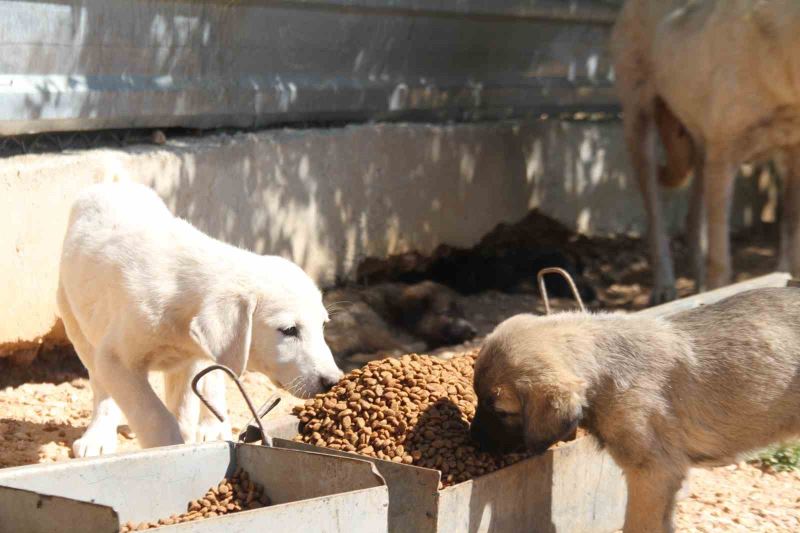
{"points": [[223, 330], [551, 412], [573, 389]]}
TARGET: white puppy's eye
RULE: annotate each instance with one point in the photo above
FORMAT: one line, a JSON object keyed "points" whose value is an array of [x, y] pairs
{"points": [[290, 332]]}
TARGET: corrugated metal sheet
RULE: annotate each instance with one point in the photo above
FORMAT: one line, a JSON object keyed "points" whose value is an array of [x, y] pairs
{"points": [[92, 64]]}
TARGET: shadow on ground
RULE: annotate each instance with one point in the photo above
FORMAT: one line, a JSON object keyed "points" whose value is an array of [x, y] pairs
{"points": [[58, 365]]}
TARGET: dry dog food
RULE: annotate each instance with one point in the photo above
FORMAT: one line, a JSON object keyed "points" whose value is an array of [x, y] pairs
{"points": [[413, 410], [239, 493]]}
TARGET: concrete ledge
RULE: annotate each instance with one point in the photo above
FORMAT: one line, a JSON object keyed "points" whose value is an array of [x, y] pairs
{"points": [[328, 198]]}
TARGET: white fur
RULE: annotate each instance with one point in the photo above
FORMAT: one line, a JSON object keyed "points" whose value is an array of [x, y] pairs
{"points": [[142, 290]]}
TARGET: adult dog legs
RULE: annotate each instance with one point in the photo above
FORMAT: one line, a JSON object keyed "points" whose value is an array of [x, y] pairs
{"points": [[718, 174], [790, 218], [696, 230], [640, 135]]}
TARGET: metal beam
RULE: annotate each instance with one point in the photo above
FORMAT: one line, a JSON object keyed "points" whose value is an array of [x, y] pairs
{"points": [[93, 64]]}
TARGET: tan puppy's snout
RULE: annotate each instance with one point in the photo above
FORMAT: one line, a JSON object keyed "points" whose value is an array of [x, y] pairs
{"points": [[492, 434], [480, 433], [477, 431], [570, 427]]}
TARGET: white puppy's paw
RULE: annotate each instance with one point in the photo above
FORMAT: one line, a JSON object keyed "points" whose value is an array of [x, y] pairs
{"points": [[95, 443], [213, 430]]}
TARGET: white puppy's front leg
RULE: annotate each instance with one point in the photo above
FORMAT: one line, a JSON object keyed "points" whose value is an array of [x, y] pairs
{"points": [[188, 409], [147, 415], [101, 435], [181, 401], [212, 386]]}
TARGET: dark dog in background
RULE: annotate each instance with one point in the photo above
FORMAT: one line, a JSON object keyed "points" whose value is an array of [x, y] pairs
{"points": [[395, 317]]}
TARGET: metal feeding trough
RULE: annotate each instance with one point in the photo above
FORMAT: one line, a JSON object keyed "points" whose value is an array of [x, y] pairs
{"points": [[573, 488], [309, 491]]}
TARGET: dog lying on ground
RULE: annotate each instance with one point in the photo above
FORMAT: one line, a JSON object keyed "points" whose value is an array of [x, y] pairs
{"points": [[141, 290], [661, 395], [715, 79], [395, 317]]}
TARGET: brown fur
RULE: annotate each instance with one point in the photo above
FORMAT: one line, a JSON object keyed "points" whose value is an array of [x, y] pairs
{"points": [[716, 81], [388, 317], [662, 395], [678, 146]]}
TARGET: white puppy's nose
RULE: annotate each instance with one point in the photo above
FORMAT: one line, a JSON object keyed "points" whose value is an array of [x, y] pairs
{"points": [[326, 382]]}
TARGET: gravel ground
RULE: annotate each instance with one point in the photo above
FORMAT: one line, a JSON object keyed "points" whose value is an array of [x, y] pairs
{"points": [[741, 498], [46, 406], [42, 416]]}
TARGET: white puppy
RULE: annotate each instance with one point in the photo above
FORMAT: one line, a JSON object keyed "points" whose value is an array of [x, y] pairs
{"points": [[142, 290]]}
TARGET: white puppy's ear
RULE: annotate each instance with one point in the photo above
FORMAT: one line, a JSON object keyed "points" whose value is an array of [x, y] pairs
{"points": [[223, 329]]}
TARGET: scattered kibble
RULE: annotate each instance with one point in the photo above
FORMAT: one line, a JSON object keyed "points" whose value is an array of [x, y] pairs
{"points": [[238, 493]]}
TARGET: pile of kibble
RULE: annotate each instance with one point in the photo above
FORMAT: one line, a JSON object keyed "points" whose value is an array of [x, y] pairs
{"points": [[232, 495], [414, 410]]}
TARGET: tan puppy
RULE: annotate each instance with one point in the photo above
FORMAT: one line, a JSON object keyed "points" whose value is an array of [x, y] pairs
{"points": [[662, 395]]}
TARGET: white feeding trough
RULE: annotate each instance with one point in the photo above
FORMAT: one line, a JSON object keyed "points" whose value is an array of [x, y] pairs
{"points": [[308, 491]]}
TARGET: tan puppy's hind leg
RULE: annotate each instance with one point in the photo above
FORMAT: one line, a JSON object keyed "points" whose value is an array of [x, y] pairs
{"points": [[651, 500]]}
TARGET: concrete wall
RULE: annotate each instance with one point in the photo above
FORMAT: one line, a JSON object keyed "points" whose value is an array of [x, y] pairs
{"points": [[327, 198]]}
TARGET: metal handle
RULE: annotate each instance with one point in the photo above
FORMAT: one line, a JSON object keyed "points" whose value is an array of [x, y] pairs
{"points": [[564, 274], [247, 434], [265, 439]]}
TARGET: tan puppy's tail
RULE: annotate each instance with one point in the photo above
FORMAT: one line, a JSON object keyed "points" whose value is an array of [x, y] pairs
{"points": [[678, 146]]}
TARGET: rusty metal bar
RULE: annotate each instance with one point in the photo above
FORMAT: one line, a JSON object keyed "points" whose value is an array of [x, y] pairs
{"points": [[564, 274], [265, 439]]}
